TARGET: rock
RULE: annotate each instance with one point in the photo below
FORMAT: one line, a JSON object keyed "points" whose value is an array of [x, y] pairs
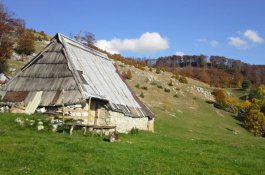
{"points": [[19, 121], [235, 132], [78, 106], [12, 69], [40, 126], [113, 136], [31, 122], [150, 78], [16, 56], [54, 127], [41, 110]]}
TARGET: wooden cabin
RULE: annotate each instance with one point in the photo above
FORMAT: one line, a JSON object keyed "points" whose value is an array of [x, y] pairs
{"points": [[82, 82]]}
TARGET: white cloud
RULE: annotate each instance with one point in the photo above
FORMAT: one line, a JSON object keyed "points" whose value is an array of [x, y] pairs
{"points": [[146, 43], [253, 36], [245, 40], [179, 53], [213, 43], [238, 42]]}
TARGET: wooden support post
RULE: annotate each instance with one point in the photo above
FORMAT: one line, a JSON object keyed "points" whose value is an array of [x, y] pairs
{"points": [[96, 114], [85, 130], [63, 104], [71, 130], [88, 112]]}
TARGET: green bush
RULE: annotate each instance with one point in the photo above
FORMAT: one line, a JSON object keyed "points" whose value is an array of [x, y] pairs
{"points": [[145, 88], [258, 93], [167, 90], [158, 71], [160, 86], [176, 96], [246, 84], [134, 131], [142, 95], [170, 83], [153, 83], [183, 79], [137, 86]]}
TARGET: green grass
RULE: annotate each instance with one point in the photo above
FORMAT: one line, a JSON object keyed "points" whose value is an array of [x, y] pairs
{"points": [[238, 92], [191, 137], [191, 142]]}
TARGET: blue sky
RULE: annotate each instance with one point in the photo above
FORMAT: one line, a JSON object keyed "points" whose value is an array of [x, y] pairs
{"points": [[153, 28]]}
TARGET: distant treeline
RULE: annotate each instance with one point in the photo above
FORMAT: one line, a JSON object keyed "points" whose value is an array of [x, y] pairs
{"points": [[217, 70]]}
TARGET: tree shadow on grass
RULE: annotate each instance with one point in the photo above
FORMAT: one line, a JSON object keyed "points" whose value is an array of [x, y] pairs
{"points": [[240, 116]]}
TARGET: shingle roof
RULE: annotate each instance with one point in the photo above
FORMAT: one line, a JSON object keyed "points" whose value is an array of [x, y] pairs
{"points": [[81, 72]]}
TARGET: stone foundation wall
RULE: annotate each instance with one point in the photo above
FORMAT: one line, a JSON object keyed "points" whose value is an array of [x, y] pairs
{"points": [[98, 115], [124, 123]]}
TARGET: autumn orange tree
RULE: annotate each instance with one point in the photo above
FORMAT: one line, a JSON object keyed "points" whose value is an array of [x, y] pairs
{"points": [[204, 76], [255, 110], [127, 75], [26, 43], [9, 27], [255, 122], [220, 97]]}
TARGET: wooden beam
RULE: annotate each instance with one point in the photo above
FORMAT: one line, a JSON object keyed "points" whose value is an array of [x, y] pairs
{"points": [[63, 103], [89, 105]]}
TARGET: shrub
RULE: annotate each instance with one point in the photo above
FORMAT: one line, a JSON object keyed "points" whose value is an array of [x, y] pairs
{"points": [[160, 86], [150, 69], [178, 89], [134, 131], [262, 108], [158, 71], [176, 96], [127, 75], [255, 122], [233, 104], [144, 88], [26, 43], [137, 86], [194, 98], [183, 79], [177, 77], [142, 95], [246, 84], [167, 90], [246, 105], [153, 83], [170, 83], [258, 93], [220, 97]]}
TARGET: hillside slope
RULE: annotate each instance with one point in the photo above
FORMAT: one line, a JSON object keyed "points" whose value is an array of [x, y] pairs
{"points": [[191, 137]]}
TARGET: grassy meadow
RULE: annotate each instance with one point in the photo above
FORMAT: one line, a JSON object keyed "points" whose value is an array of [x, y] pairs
{"points": [[191, 137], [189, 143]]}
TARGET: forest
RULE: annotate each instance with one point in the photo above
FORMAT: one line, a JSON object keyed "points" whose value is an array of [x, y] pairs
{"points": [[218, 71]]}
